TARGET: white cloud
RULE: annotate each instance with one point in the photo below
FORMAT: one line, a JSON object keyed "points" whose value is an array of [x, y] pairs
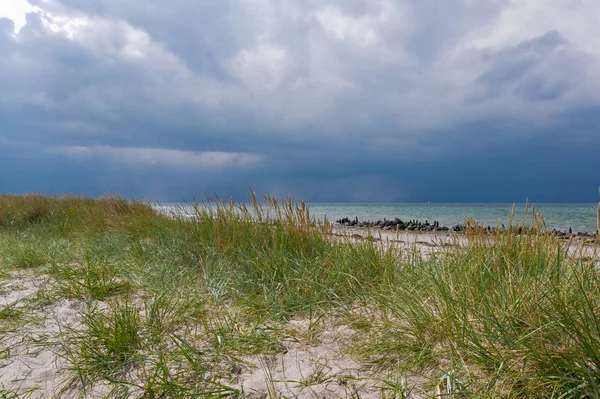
{"points": [[160, 157], [16, 10], [360, 30], [262, 67], [577, 21]]}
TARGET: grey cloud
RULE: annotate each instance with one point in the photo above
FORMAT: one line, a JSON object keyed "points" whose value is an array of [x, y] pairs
{"points": [[521, 66], [338, 99], [7, 27]]}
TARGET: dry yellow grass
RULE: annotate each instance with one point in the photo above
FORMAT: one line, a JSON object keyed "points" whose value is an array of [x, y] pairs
{"points": [[19, 210]]}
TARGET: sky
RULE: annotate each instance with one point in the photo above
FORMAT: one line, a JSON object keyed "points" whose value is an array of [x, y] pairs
{"points": [[328, 100]]}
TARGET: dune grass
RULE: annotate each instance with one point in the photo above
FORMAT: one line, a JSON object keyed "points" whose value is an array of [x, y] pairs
{"points": [[173, 303], [598, 221]]}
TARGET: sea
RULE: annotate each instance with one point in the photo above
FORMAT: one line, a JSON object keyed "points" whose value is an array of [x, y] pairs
{"points": [[578, 217]]}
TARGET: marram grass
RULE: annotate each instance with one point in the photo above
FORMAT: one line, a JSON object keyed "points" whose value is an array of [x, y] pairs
{"points": [[174, 302], [598, 220]]}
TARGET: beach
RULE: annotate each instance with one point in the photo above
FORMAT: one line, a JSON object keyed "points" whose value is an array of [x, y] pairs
{"points": [[106, 298]]}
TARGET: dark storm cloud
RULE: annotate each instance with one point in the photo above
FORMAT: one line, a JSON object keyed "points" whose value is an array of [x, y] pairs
{"points": [[537, 69], [339, 100]]}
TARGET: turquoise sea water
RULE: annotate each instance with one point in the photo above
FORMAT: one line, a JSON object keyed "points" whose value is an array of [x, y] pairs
{"points": [[579, 217]]}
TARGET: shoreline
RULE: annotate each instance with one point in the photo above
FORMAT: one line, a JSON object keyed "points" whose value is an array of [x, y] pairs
{"points": [[418, 226], [429, 242]]}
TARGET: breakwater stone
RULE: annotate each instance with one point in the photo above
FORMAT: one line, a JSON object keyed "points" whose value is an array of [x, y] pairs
{"points": [[420, 226]]}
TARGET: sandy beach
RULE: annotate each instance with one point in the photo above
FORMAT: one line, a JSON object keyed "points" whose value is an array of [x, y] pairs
{"points": [[33, 353], [427, 243], [315, 362], [124, 301]]}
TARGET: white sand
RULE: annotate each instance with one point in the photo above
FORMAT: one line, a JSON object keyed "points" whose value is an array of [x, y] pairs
{"points": [[432, 242], [315, 367], [319, 368], [29, 361]]}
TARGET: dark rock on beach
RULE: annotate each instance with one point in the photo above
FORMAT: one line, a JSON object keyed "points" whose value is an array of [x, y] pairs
{"points": [[398, 224]]}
